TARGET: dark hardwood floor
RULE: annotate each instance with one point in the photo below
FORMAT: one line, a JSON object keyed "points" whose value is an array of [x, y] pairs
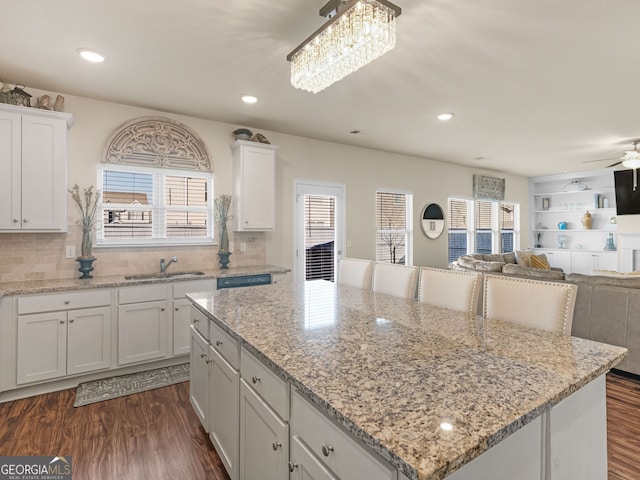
{"points": [[156, 435], [150, 435]]}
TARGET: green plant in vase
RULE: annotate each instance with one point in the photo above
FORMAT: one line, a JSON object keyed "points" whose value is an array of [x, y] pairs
{"points": [[222, 204], [88, 205]]}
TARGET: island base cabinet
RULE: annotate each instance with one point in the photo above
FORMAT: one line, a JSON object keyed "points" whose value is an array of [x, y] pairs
{"points": [[225, 401], [304, 465], [578, 438], [517, 457], [199, 378], [264, 439]]}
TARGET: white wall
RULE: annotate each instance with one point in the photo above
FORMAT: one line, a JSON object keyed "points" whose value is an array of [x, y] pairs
{"points": [[361, 170]]}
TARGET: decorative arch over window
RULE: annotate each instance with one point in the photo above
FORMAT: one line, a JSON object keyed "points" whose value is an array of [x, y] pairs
{"points": [[157, 142]]}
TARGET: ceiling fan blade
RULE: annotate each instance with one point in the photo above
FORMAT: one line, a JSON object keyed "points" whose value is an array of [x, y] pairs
{"points": [[614, 164], [601, 160]]}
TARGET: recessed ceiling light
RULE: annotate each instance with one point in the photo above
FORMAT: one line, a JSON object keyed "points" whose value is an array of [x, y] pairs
{"points": [[445, 116], [249, 99], [355, 132], [90, 55], [446, 426]]}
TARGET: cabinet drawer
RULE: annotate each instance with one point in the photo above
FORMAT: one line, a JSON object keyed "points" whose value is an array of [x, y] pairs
{"points": [[63, 301], [143, 293], [267, 384], [182, 288], [224, 344], [200, 322], [332, 446]]}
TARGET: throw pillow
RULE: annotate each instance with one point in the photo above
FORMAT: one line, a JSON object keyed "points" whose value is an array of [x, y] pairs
{"points": [[523, 257], [539, 261]]}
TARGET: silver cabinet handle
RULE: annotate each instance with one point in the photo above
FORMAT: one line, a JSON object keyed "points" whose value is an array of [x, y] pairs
{"points": [[66, 302], [61, 322], [15, 220], [276, 446], [196, 320], [218, 343], [208, 361], [24, 220], [202, 355], [255, 379], [292, 466], [162, 309], [326, 449], [71, 320], [177, 309]]}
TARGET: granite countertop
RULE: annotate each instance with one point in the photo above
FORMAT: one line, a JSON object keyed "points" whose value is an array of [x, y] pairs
{"points": [[46, 286], [392, 370]]}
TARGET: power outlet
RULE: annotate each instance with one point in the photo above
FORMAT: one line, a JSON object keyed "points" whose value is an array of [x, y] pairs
{"points": [[243, 247], [71, 251]]}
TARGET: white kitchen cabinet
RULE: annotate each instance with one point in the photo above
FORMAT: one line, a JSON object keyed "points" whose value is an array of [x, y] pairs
{"points": [[199, 381], [254, 186], [224, 404], [33, 169], [264, 439], [142, 323], [58, 336], [587, 262], [182, 313], [303, 465]]}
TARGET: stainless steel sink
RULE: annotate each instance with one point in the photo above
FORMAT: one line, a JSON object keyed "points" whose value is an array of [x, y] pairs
{"points": [[150, 276]]}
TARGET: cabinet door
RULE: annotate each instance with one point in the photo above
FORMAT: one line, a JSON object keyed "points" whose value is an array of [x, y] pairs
{"points": [[607, 261], [254, 170], [10, 171], [44, 173], [560, 259], [584, 262], [42, 346], [199, 381], [304, 465], [142, 332], [224, 422], [264, 439], [181, 326], [88, 340]]}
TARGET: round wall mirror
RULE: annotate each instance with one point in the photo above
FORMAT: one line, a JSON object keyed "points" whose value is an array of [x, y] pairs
{"points": [[432, 220]]}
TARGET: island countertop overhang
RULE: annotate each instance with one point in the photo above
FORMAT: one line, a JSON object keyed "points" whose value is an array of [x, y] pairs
{"points": [[391, 370]]}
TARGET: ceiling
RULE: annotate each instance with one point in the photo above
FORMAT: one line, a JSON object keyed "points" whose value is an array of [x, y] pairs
{"points": [[537, 87]]}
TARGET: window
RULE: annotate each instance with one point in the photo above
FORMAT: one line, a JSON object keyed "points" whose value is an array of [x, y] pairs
{"points": [[320, 232], [394, 227], [482, 226], [146, 206]]}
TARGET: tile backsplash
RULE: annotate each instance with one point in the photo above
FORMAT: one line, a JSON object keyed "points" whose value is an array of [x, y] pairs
{"points": [[41, 256]]}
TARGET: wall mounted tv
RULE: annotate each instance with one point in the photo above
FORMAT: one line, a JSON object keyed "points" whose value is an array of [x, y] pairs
{"points": [[627, 201]]}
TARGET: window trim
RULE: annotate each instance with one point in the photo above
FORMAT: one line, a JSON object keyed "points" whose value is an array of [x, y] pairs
{"points": [[159, 174]]}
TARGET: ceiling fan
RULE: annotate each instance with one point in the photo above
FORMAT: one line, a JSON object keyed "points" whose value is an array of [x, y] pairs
{"points": [[630, 159]]}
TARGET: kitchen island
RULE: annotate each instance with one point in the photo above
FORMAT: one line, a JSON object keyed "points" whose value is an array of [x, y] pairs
{"points": [[426, 389]]}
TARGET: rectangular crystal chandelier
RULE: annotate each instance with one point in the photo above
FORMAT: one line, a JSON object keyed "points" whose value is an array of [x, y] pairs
{"points": [[360, 32]]}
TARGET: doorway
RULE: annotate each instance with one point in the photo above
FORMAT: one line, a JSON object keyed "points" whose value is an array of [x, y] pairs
{"points": [[319, 230]]}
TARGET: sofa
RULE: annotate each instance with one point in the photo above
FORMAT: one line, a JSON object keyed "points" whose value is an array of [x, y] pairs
{"points": [[512, 263]]}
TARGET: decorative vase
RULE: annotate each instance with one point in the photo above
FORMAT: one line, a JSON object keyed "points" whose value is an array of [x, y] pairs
{"points": [[609, 245], [224, 259], [86, 266], [587, 221], [86, 248], [562, 225], [562, 241]]}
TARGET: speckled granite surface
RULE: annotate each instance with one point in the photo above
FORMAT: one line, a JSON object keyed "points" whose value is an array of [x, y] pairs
{"points": [[392, 370], [45, 286]]}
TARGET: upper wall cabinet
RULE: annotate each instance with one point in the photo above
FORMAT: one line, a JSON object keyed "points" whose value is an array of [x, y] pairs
{"points": [[254, 186], [33, 169]]}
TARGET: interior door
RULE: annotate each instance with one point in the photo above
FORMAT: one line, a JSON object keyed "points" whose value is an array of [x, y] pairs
{"points": [[319, 230]]}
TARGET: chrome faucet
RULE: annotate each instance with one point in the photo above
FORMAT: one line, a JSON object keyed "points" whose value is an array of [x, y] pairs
{"points": [[163, 266]]}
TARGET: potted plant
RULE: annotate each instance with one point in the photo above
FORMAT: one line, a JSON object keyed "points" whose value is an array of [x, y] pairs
{"points": [[222, 204], [88, 205]]}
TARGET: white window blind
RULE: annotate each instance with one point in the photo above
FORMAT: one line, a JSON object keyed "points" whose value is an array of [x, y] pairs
{"points": [[320, 233], [141, 206], [393, 227]]}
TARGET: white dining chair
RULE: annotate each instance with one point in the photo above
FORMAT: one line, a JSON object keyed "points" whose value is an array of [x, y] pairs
{"points": [[355, 272], [533, 303], [397, 280], [451, 289]]}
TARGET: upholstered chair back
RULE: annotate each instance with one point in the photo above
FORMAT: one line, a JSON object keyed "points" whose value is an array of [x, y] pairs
{"points": [[397, 280], [355, 272], [451, 289]]}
